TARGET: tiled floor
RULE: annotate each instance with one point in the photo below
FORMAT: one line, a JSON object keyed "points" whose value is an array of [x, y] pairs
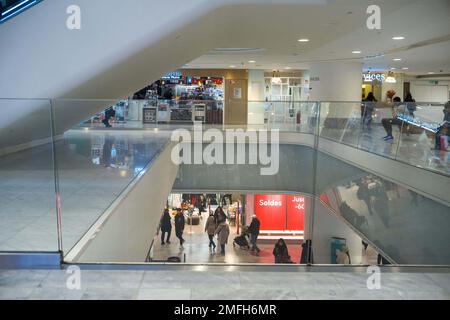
{"points": [[196, 249], [227, 285], [93, 169]]}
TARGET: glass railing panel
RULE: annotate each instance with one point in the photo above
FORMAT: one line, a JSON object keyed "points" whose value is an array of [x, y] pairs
{"points": [[95, 164], [28, 220], [341, 122], [295, 116], [423, 139], [373, 131], [387, 215]]}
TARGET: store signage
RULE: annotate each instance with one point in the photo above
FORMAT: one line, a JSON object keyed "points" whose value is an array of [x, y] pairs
{"points": [[269, 203], [176, 75], [295, 212], [280, 212], [271, 211], [314, 79], [369, 77]]}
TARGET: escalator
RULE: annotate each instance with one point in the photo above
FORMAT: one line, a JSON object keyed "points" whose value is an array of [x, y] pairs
{"points": [[406, 225], [11, 8]]}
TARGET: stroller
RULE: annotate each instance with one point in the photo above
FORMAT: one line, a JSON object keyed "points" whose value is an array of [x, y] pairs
{"points": [[241, 241]]}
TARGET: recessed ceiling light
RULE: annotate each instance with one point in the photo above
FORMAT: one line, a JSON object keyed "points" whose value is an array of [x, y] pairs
{"points": [[398, 38], [397, 59], [288, 68], [431, 72], [232, 66], [405, 68], [356, 51], [303, 40], [251, 61], [393, 68]]}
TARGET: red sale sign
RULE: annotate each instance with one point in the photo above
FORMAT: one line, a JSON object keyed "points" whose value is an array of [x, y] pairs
{"points": [[271, 211], [280, 212], [296, 213]]}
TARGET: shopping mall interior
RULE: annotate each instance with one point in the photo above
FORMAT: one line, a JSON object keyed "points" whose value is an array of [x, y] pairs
{"points": [[340, 112]]}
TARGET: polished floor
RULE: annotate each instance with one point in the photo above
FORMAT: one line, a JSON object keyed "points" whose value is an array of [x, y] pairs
{"points": [[93, 168], [222, 285], [196, 249]]}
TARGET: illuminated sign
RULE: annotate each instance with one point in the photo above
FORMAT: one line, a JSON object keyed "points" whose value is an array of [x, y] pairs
{"points": [[369, 77], [280, 212], [176, 75]]}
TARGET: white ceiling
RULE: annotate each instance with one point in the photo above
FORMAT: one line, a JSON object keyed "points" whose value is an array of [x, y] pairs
{"points": [[335, 29]]}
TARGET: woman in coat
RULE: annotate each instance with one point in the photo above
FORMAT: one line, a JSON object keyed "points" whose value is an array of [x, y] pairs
{"points": [[210, 229], [223, 231], [166, 226], [179, 226]]}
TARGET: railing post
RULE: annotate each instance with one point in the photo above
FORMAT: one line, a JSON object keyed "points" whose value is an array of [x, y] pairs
{"points": [[56, 178]]}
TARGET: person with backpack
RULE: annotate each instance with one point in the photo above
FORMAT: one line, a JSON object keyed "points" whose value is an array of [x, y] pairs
{"points": [[179, 226], [253, 230], [223, 232], [210, 229], [166, 227]]}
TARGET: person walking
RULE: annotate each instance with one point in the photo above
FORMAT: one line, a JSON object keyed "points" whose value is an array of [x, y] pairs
{"points": [[253, 230], [222, 231], [179, 226], [219, 216], [210, 229], [166, 227], [367, 107]]}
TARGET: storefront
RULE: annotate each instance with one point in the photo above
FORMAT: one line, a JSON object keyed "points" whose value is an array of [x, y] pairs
{"points": [[372, 82], [280, 215]]}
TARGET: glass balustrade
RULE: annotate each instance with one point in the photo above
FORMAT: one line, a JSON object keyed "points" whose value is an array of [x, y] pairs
{"points": [[58, 179]]}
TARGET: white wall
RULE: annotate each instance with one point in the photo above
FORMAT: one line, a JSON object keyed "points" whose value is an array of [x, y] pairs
{"points": [[332, 226], [336, 81], [427, 92], [255, 97], [125, 233]]}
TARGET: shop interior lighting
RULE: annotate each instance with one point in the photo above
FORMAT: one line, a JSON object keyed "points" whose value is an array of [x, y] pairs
{"points": [[276, 77], [390, 78]]}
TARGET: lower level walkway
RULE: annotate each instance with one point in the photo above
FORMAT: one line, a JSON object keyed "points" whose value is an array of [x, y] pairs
{"points": [[222, 285]]}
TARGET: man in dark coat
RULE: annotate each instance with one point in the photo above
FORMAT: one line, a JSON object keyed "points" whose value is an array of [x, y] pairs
{"points": [[166, 227], [253, 230], [179, 226]]}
